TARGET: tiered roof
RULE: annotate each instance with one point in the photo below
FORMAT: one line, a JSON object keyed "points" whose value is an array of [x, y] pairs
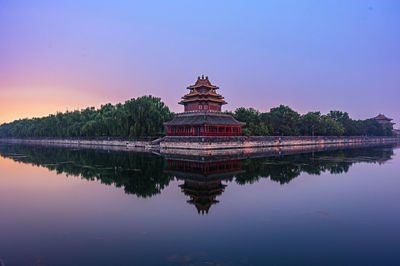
{"points": [[382, 117], [203, 90], [202, 82]]}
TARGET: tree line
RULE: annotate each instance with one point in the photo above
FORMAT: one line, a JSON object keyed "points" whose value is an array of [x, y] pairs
{"points": [[283, 121], [144, 116], [139, 117]]}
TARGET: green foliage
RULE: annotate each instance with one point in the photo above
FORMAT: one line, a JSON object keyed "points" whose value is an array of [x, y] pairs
{"points": [[283, 121], [139, 117], [332, 127], [368, 127], [311, 124], [315, 124], [254, 125]]}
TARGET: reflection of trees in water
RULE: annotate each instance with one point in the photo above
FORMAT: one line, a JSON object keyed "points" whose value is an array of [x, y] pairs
{"points": [[143, 174], [285, 168], [138, 173]]}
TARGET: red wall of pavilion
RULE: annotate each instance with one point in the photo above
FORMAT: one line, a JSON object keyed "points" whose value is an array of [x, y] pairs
{"points": [[191, 107], [202, 106], [214, 107], [204, 130]]}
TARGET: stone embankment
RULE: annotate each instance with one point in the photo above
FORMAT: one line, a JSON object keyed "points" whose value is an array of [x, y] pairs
{"points": [[104, 143], [216, 143]]}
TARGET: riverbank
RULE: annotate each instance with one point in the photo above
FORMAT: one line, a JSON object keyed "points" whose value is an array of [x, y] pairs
{"points": [[86, 143], [265, 145], [241, 142]]}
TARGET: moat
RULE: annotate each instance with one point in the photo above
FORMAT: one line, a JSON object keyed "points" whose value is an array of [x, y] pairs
{"points": [[76, 206]]}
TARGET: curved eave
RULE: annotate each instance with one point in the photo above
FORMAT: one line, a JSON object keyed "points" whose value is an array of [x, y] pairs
{"points": [[192, 94], [201, 85], [203, 97], [202, 100]]}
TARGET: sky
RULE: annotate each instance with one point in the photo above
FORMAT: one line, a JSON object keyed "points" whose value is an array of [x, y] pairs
{"points": [[311, 55]]}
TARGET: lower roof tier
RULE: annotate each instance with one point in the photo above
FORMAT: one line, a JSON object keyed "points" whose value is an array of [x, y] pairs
{"points": [[203, 117]]}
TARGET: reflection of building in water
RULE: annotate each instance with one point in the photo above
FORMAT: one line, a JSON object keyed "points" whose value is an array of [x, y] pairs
{"points": [[202, 194], [203, 180], [204, 169]]}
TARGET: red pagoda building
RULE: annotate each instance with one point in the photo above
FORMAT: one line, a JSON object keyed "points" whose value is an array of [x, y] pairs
{"points": [[202, 113]]}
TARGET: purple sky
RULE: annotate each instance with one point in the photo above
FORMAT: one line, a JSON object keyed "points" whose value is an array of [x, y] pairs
{"points": [[310, 55]]}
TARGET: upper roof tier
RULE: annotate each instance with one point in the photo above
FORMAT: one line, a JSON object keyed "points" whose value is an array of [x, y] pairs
{"points": [[202, 82]]}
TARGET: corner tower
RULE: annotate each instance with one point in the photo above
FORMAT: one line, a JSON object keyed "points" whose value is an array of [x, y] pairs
{"points": [[202, 113]]}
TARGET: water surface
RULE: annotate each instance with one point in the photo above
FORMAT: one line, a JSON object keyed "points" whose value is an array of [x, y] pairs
{"points": [[63, 206]]}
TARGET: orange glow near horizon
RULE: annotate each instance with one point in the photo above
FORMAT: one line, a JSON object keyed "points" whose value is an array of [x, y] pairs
{"points": [[20, 104]]}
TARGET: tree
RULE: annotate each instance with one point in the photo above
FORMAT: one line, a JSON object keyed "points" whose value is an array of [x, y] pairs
{"points": [[252, 117], [332, 127], [282, 121], [311, 124]]}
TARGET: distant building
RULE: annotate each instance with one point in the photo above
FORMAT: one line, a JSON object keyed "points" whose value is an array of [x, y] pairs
{"points": [[202, 113], [382, 119]]}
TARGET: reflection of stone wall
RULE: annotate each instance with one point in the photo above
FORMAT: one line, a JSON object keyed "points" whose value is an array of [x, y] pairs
{"points": [[239, 142]]}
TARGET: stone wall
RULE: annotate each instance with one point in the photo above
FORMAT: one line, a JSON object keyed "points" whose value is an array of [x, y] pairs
{"points": [[114, 144], [240, 142]]}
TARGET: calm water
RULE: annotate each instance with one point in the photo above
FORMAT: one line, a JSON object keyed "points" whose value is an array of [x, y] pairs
{"points": [[83, 207]]}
